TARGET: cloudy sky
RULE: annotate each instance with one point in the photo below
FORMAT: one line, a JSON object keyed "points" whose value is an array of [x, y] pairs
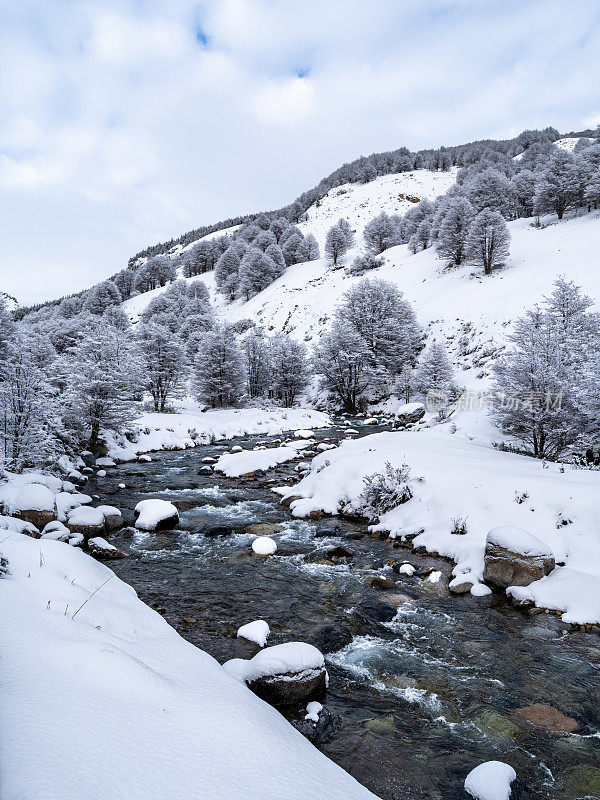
{"points": [[126, 122]]}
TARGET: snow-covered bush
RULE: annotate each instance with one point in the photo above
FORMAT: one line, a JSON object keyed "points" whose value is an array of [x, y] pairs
{"points": [[385, 490]]}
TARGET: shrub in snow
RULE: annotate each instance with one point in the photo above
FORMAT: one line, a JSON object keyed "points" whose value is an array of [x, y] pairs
{"points": [[264, 546], [490, 781], [155, 514], [257, 631], [459, 526], [385, 490]]}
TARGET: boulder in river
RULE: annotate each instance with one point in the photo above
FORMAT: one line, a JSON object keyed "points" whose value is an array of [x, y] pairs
{"points": [[113, 519], [155, 514], [543, 715], [34, 503], [104, 551], [409, 413], [515, 557], [264, 529], [284, 675]]}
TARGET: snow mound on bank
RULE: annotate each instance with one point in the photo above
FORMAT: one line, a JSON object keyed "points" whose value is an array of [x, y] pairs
{"points": [[455, 477], [146, 713], [518, 541]]}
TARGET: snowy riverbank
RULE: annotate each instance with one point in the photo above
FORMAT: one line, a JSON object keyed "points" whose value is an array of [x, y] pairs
{"points": [[466, 479], [102, 698], [191, 426]]}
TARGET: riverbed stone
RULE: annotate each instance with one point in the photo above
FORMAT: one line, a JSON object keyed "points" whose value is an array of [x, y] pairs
{"points": [[103, 551], [383, 582], [264, 529], [291, 689], [543, 715], [514, 557], [338, 553], [329, 637], [582, 782], [287, 501], [536, 632], [494, 724], [218, 530]]}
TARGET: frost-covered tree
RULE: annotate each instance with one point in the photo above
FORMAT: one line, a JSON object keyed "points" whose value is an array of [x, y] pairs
{"points": [[452, 236], [422, 211], [273, 251], [421, 238], [559, 186], [201, 258], [7, 328], [338, 241], [115, 316], [405, 383], [543, 393], [264, 239], [124, 282], [493, 190], [343, 362], [101, 297], [101, 377], [434, 370], [157, 271], [289, 368], [488, 240], [291, 248], [380, 234], [278, 226], [257, 271], [164, 369], [227, 273], [308, 250], [386, 323], [219, 371], [258, 364], [523, 192], [592, 191]]}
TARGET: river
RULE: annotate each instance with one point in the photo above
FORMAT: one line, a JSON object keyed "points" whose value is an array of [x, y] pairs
{"points": [[417, 698]]}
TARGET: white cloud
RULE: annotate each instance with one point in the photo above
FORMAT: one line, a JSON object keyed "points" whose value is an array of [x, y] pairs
{"points": [[123, 122]]}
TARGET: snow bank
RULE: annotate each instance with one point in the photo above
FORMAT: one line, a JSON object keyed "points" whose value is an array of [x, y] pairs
{"points": [[257, 631], [470, 479], [575, 593], [192, 427], [112, 702], [490, 781], [241, 463]]}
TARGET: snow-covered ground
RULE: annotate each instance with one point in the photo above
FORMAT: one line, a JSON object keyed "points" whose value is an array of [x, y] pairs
{"points": [[101, 698], [461, 477], [191, 427]]}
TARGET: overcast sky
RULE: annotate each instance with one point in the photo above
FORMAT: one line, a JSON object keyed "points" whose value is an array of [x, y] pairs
{"points": [[124, 123]]}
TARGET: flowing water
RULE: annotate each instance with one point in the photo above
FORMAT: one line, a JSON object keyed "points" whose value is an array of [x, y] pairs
{"points": [[417, 698]]}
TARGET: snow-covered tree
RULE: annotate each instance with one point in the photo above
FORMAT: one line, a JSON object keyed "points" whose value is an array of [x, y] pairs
{"points": [[227, 273], [258, 364], [219, 371], [338, 241], [308, 250], [101, 297], [364, 262], [491, 189], [452, 236], [559, 186], [592, 191], [405, 383], [289, 368], [420, 212], [523, 192], [488, 240], [343, 362], [421, 238], [257, 271], [101, 375], [291, 248], [264, 239], [434, 371], [380, 234], [124, 282], [164, 369], [386, 323], [273, 251]]}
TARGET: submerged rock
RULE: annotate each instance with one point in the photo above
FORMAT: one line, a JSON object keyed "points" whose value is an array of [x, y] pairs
{"points": [[264, 529], [514, 557], [330, 637], [543, 715]]}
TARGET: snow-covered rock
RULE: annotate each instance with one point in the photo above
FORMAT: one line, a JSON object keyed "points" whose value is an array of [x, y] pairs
{"points": [[245, 462], [100, 548], [34, 503], [409, 413], [105, 462], [257, 632], [313, 709], [86, 520], [16, 525], [515, 557], [264, 546], [490, 781], [155, 514], [304, 434], [283, 675], [113, 518]]}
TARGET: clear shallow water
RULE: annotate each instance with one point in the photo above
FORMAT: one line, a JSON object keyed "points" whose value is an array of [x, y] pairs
{"points": [[415, 701]]}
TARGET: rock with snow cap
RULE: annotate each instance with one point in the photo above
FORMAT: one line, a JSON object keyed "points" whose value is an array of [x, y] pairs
{"points": [[515, 557], [155, 514]]}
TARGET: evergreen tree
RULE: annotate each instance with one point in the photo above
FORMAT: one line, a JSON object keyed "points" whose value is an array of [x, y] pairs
{"points": [[342, 361], [421, 238], [434, 370], [452, 237], [406, 383], [523, 191], [364, 262], [273, 251], [308, 250], [488, 240], [163, 363], [289, 366], [219, 369]]}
